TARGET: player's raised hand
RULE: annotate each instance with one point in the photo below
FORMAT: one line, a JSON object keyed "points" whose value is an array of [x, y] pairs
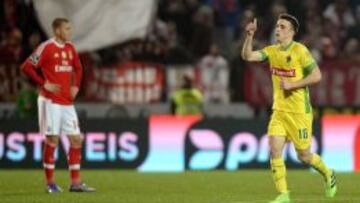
{"points": [[51, 87], [74, 91], [251, 27]]}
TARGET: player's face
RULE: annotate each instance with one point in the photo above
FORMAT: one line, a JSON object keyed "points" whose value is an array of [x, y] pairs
{"points": [[283, 30], [64, 32]]}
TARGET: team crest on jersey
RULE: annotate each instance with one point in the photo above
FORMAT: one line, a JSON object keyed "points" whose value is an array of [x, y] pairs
{"points": [[56, 55], [288, 59], [63, 54]]}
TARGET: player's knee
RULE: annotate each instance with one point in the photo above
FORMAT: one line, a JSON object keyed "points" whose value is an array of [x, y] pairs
{"points": [[52, 140], [304, 157], [76, 141], [274, 152]]}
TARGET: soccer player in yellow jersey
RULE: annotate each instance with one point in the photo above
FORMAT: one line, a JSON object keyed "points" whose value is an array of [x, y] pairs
{"points": [[293, 69]]}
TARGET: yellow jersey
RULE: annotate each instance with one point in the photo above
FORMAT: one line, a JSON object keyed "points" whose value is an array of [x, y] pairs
{"points": [[293, 63]]}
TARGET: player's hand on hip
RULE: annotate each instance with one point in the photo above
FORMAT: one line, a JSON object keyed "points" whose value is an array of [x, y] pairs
{"points": [[285, 85], [74, 91], [52, 87], [251, 27]]}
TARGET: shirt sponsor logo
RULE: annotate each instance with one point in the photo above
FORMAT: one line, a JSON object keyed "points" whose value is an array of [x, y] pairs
{"points": [[59, 68], [64, 63], [283, 72]]}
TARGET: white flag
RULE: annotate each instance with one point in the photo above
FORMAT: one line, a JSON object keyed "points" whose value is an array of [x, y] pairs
{"points": [[98, 23]]}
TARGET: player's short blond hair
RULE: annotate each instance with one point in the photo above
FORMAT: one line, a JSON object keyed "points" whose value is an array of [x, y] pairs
{"points": [[57, 22]]}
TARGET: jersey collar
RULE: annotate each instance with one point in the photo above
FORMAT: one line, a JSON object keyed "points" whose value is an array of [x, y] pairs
{"points": [[57, 43], [286, 47]]}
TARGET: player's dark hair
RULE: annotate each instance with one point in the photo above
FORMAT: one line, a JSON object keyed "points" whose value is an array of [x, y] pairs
{"points": [[292, 19], [58, 21]]}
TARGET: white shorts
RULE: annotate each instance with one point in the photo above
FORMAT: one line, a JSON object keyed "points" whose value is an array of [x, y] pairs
{"points": [[57, 119]]}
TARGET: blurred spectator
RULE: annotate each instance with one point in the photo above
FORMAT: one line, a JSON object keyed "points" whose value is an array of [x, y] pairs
{"points": [[203, 31], [354, 31], [176, 53], [225, 17], [214, 73], [177, 12], [339, 13], [12, 51], [328, 49], [248, 15], [187, 100], [2, 38], [26, 101], [10, 13], [313, 29], [33, 42], [351, 51]]}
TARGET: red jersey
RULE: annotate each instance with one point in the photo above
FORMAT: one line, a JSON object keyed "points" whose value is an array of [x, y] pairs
{"points": [[60, 65]]}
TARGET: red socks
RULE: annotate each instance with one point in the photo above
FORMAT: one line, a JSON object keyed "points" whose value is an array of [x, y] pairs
{"points": [[49, 162], [74, 160]]}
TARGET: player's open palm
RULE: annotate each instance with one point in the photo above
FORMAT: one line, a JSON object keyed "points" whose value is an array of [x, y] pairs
{"points": [[52, 87], [251, 27]]}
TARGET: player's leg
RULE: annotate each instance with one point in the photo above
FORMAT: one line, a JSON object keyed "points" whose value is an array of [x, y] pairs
{"points": [[49, 126], [277, 140], [70, 126], [315, 161], [51, 142], [74, 158], [302, 138], [278, 167]]}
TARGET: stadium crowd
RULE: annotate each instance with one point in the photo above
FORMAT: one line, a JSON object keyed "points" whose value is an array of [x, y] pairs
{"points": [[188, 31]]}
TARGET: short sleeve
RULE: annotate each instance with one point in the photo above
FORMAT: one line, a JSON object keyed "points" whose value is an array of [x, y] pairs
{"points": [[265, 53], [307, 61]]}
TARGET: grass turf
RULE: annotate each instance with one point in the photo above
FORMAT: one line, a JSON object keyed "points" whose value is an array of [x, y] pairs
{"points": [[190, 187]]}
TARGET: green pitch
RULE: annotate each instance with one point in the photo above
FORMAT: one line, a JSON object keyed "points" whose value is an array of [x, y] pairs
{"points": [[190, 187]]}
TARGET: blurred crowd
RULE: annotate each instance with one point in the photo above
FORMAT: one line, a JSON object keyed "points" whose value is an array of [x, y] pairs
{"points": [[205, 33], [184, 30], [331, 29]]}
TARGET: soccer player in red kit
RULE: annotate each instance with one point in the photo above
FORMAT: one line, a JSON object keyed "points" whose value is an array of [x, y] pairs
{"points": [[59, 84]]}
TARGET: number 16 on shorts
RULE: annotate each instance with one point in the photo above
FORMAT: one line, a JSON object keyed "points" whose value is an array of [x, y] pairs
{"points": [[303, 133]]}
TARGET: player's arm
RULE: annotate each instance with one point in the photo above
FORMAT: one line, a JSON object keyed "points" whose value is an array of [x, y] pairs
{"points": [[29, 70], [247, 52], [313, 78], [29, 66], [311, 70], [78, 75]]}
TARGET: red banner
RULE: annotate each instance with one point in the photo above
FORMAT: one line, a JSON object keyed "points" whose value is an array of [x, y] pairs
{"points": [[340, 85], [125, 83]]}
